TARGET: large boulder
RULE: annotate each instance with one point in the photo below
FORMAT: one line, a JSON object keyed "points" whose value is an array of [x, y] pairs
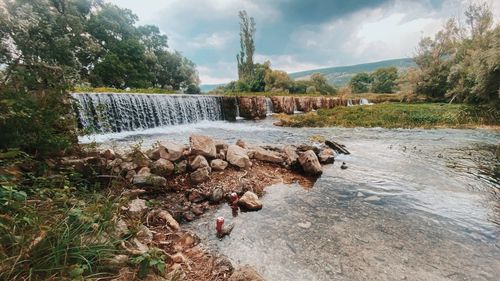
{"points": [[168, 150], [198, 162], [200, 175], [202, 145], [162, 167], [238, 156], [218, 164], [310, 163], [267, 155], [246, 273], [250, 202]]}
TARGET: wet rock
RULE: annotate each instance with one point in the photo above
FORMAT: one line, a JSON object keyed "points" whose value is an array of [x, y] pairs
{"points": [[217, 195], [343, 166], [162, 167], [326, 156], [246, 273], [109, 154], [238, 156], [267, 155], [241, 143], [310, 163], [200, 175], [149, 180], [373, 198], [202, 145], [218, 164], [199, 162], [250, 201], [137, 208]]}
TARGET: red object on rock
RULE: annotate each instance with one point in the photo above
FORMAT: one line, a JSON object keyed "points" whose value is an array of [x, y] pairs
{"points": [[219, 225], [234, 197]]}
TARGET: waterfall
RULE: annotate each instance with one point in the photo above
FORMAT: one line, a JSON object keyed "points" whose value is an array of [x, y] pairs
{"points": [[106, 112], [269, 107], [364, 102], [349, 102], [238, 117]]}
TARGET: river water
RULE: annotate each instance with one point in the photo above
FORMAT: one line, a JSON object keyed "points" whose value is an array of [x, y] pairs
{"points": [[413, 205]]}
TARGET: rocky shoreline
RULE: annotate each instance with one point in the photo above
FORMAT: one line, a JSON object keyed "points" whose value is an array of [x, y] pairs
{"points": [[173, 183]]}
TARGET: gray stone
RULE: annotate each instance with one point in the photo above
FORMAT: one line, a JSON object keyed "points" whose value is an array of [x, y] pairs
{"points": [[149, 180], [162, 167]]}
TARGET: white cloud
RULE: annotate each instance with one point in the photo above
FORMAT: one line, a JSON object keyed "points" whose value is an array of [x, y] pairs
{"points": [[217, 40], [288, 63], [220, 72]]}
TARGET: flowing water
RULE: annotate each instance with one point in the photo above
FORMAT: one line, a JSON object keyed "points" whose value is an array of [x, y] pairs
{"points": [[413, 205]]}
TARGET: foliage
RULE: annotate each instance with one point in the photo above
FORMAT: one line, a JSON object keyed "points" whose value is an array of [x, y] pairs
{"points": [[395, 115], [245, 57], [384, 80], [154, 259], [360, 83], [462, 62]]}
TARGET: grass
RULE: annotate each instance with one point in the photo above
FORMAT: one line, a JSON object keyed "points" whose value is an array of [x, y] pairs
{"points": [[379, 98], [113, 90], [397, 115], [271, 94]]}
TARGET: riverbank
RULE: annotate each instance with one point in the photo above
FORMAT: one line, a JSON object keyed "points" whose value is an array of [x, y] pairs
{"points": [[119, 214], [396, 115]]}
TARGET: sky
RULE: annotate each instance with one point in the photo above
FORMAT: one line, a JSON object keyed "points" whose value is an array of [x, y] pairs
{"points": [[296, 35]]}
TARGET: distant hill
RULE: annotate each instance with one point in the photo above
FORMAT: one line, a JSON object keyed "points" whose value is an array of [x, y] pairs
{"points": [[338, 75], [341, 75]]}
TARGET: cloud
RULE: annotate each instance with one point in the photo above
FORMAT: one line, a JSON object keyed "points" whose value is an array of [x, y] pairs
{"points": [[295, 34]]}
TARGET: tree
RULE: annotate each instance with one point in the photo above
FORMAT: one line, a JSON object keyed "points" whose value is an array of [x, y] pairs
{"points": [[360, 83], [384, 80], [245, 57], [277, 80]]}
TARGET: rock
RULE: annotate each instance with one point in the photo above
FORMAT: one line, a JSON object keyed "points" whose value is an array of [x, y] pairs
{"points": [[144, 171], [220, 145], [109, 154], [149, 180], [128, 166], [137, 208], [188, 216], [140, 159], [343, 166], [241, 143], [199, 162], [326, 156], [305, 147], [218, 164], [250, 201], [144, 234], [197, 210], [372, 198], [181, 167], [278, 123], [168, 150], [158, 217], [305, 225], [202, 145], [163, 167], [291, 155], [267, 155], [238, 156], [221, 154], [246, 273], [310, 163], [196, 196], [200, 175], [217, 195]]}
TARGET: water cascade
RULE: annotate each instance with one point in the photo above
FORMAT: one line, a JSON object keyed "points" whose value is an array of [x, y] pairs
{"points": [[364, 101], [349, 102], [103, 113], [269, 107]]}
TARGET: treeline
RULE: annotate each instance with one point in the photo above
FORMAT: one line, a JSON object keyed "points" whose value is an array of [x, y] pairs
{"points": [[382, 80], [462, 62], [47, 47], [259, 77]]}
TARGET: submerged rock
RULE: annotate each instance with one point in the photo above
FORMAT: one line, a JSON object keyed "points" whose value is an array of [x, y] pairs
{"points": [[326, 156], [238, 156], [310, 163], [202, 145], [250, 201]]}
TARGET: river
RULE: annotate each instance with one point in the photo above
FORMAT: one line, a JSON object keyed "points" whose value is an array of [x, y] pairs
{"points": [[413, 205]]}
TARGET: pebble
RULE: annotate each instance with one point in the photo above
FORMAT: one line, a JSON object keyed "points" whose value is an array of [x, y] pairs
{"points": [[304, 224], [360, 194]]}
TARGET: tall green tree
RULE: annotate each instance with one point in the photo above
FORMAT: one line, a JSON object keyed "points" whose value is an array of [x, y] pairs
{"points": [[384, 80], [247, 44], [360, 83]]}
